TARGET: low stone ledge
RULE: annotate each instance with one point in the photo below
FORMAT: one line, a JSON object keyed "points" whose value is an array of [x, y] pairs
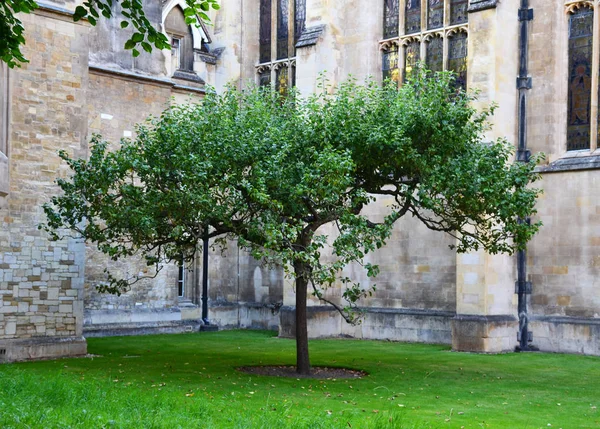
{"points": [[484, 334], [562, 334], [394, 324], [571, 163], [479, 5], [14, 350], [129, 329]]}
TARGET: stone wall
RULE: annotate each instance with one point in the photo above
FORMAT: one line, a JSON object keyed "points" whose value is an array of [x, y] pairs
{"points": [[41, 282]]}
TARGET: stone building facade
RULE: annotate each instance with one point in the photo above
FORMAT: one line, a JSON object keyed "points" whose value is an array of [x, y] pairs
{"points": [[538, 60]]}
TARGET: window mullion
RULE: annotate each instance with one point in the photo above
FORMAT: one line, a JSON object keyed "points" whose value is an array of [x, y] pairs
{"points": [[273, 41], [401, 17], [445, 51], [446, 13], [595, 71]]}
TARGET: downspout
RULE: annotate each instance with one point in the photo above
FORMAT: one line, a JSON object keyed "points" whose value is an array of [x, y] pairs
{"points": [[205, 279], [524, 84]]}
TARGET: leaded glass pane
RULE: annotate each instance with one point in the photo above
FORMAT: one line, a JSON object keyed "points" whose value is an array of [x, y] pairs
{"points": [[458, 11], [411, 57], [282, 29], [581, 25], [412, 22], [390, 65], [300, 24], [435, 54], [264, 78], [457, 58], [265, 31], [435, 14], [391, 18], [281, 83]]}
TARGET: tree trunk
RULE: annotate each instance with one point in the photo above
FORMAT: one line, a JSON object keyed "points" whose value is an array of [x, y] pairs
{"points": [[302, 360]]}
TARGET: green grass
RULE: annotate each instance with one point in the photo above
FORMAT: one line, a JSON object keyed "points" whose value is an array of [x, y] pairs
{"points": [[190, 381]]}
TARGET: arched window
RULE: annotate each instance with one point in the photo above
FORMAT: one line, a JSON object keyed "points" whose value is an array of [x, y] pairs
{"points": [[579, 114], [390, 64], [457, 58], [182, 41], [435, 31], [412, 54], [277, 52], [434, 57]]}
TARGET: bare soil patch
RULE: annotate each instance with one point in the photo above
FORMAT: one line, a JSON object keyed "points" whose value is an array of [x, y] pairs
{"points": [[315, 372]]}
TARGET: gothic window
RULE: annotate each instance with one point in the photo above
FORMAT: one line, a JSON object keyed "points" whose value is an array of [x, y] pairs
{"points": [[277, 51], [390, 64], [182, 41], [300, 23], [282, 29], [281, 84], [434, 31], [411, 57], [457, 58], [412, 16], [581, 23], [434, 57], [391, 18], [265, 31], [435, 14], [458, 11]]}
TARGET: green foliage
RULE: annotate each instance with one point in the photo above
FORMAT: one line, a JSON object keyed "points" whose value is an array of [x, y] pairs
{"points": [[145, 35], [272, 171], [11, 30]]}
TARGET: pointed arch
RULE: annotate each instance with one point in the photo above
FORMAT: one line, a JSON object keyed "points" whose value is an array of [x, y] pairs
{"points": [[199, 34]]}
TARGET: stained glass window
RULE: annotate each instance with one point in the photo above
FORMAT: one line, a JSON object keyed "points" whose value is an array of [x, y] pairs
{"points": [[457, 58], [281, 83], [390, 65], [581, 25], [300, 24], [265, 31], [391, 17], [435, 14], [264, 78], [412, 22], [458, 11], [282, 29], [411, 57], [435, 54]]}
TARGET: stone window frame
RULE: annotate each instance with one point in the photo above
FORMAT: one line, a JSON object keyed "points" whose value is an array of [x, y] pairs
{"points": [[570, 7], [398, 43], [275, 67], [200, 36]]}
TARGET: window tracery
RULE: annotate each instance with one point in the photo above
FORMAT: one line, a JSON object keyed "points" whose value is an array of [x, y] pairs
{"points": [[435, 31], [277, 62]]}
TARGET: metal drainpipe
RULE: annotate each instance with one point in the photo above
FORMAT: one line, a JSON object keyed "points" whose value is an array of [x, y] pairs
{"points": [[205, 279], [524, 84]]}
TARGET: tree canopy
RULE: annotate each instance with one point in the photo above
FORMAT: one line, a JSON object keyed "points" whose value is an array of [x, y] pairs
{"points": [[271, 170], [144, 36]]}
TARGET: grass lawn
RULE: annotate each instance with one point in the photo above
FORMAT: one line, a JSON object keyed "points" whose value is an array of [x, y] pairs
{"points": [[190, 381]]}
